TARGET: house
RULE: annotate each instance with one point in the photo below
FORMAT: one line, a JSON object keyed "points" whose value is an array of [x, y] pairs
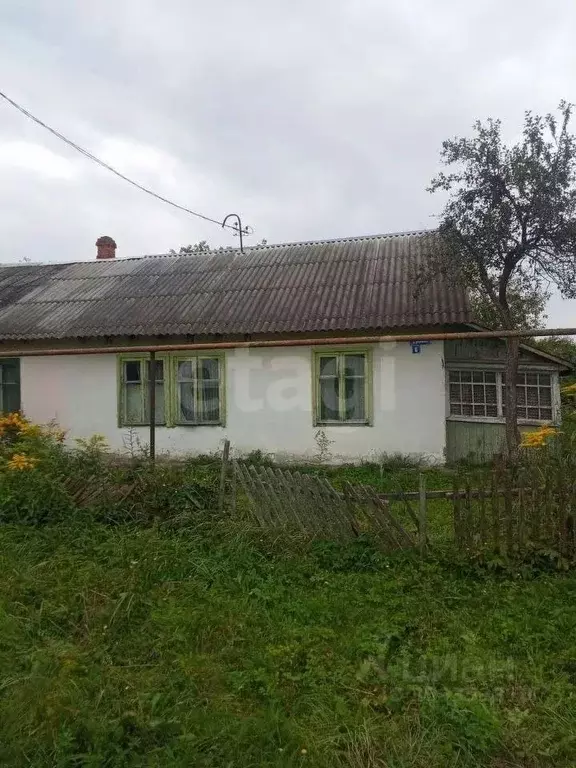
{"points": [[75, 341]]}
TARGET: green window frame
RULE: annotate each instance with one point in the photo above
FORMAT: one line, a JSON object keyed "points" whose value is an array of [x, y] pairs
{"points": [[189, 390], [342, 386], [10, 385], [134, 391], [198, 392]]}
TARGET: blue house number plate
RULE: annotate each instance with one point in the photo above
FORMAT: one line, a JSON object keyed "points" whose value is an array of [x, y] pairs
{"points": [[417, 346]]}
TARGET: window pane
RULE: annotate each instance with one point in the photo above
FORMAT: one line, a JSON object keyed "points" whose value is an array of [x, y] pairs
{"points": [[492, 410], [478, 393], [465, 376], [491, 393], [133, 409], [208, 368], [11, 398], [466, 409], [186, 402], [132, 371], [546, 413], [466, 393], [328, 366], [329, 390], [479, 410], [199, 401], [210, 410], [354, 365], [456, 410], [545, 396], [159, 370], [354, 394], [10, 386], [477, 376], [490, 377], [454, 376], [532, 395], [544, 379], [455, 393], [186, 370], [533, 413], [10, 373], [531, 378], [159, 410]]}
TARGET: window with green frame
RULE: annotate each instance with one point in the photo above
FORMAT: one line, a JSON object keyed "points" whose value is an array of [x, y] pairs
{"points": [[198, 396], [189, 390], [134, 403], [10, 385], [342, 387]]}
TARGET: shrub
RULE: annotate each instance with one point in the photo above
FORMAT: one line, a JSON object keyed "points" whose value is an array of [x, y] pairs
{"points": [[31, 486], [37, 498], [41, 481], [160, 493]]}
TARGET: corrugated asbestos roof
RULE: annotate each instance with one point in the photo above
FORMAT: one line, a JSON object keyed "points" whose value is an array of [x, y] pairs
{"points": [[331, 285]]}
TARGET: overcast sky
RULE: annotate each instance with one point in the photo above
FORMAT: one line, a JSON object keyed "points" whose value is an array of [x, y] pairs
{"points": [[311, 118]]}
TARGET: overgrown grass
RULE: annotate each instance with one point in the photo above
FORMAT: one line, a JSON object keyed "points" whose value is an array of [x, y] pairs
{"points": [[148, 630], [125, 646]]}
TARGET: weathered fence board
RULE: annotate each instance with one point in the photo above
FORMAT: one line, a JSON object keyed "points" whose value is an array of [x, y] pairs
{"points": [[285, 500], [526, 512], [506, 511]]}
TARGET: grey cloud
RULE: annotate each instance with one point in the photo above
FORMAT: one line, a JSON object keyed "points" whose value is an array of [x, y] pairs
{"points": [[312, 119]]}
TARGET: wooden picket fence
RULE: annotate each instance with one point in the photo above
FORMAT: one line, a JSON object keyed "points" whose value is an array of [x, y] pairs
{"points": [[512, 511], [282, 500]]}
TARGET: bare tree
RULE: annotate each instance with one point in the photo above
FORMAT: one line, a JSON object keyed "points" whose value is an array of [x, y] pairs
{"points": [[509, 226]]}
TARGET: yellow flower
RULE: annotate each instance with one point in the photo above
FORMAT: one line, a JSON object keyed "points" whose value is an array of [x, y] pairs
{"points": [[538, 437], [13, 422], [31, 430], [21, 462]]}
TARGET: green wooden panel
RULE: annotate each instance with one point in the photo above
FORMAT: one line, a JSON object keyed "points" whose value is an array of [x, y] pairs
{"points": [[475, 441], [489, 351]]}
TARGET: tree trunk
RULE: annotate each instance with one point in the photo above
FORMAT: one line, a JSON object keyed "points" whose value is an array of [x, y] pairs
{"points": [[511, 400]]}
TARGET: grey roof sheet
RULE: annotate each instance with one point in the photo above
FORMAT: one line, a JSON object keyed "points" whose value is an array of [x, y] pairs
{"points": [[331, 285]]}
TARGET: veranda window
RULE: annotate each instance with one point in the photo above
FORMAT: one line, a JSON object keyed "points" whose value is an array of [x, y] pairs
{"points": [[482, 394]]}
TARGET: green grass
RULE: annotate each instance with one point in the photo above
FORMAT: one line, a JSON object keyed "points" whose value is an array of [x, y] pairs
{"points": [[125, 646]]}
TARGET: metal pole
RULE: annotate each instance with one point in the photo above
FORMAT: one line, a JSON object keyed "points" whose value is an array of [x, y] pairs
{"points": [[422, 514], [223, 475], [152, 404]]}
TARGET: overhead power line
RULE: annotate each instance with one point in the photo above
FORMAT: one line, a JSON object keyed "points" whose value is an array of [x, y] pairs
{"points": [[90, 156]]}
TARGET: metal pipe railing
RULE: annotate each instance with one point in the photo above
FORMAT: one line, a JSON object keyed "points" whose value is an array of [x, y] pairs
{"points": [[297, 342]]}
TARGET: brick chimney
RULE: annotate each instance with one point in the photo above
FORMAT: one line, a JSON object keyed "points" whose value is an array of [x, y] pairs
{"points": [[106, 248]]}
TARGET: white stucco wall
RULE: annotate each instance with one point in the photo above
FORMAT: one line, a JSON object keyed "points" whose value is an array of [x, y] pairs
{"points": [[268, 404]]}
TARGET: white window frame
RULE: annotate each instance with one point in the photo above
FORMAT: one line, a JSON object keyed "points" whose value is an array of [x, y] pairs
{"points": [[554, 380]]}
